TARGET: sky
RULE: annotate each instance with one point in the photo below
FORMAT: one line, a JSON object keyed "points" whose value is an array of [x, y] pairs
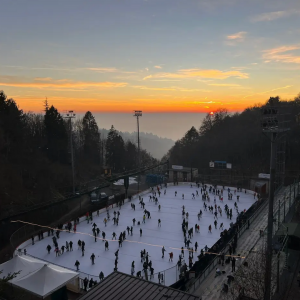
{"points": [[150, 55]]}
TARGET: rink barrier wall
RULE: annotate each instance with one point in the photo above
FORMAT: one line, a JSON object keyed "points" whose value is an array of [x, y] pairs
{"points": [[25, 232], [199, 280]]}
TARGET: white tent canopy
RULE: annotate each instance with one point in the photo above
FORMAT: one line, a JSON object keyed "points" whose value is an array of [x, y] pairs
{"points": [[24, 264], [37, 277]]}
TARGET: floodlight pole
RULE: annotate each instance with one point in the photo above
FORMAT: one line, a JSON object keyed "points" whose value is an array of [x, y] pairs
{"points": [[268, 273], [137, 114], [71, 115]]}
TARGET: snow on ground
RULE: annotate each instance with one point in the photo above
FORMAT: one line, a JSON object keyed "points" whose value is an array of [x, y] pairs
{"points": [[153, 238]]}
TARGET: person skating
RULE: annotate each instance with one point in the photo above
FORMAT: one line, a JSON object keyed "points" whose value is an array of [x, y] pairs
{"points": [[182, 196], [101, 276], [114, 236], [93, 258], [159, 223], [85, 283], [131, 229], [98, 231], [163, 251], [221, 226], [209, 228], [196, 246], [139, 274], [91, 283], [133, 220], [151, 272], [182, 252], [77, 263], [49, 249], [106, 245], [128, 229], [216, 223], [62, 249], [141, 231], [171, 256], [103, 236]]}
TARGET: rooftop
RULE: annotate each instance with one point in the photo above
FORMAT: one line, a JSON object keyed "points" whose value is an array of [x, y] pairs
{"points": [[120, 286]]}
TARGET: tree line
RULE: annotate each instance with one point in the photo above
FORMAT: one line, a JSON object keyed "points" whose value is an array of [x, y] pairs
{"points": [[35, 155], [238, 139]]}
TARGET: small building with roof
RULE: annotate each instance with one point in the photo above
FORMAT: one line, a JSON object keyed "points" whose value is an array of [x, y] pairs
{"points": [[120, 286]]}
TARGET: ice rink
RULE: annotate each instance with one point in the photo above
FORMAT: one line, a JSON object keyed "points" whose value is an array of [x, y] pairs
{"points": [[169, 235]]}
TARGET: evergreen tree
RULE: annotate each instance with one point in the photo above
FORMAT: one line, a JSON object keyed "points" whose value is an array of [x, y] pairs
{"points": [[115, 150], [11, 125], [56, 134], [91, 137]]}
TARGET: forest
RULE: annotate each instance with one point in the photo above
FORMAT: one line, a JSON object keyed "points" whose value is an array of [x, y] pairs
{"points": [[238, 139], [35, 156]]}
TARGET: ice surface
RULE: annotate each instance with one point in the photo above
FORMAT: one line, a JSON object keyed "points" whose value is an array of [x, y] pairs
{"points": [[153, 238]]}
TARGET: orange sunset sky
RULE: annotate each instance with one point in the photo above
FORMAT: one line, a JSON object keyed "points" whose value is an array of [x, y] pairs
{"points": [[156, 56]]}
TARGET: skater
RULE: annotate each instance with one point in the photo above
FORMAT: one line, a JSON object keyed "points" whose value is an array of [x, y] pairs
{"points": [[131, 229], [141, 231], [79, 244], [182, 252], [106, 245], [159, 223], [209, 228], [103, 236], [77, 263], [85, 283], [101, 276], [216, 223], [171, 256], [163, 251], [196, 246], [93, 258], [133, 220], [182, 196], [114, 236]]}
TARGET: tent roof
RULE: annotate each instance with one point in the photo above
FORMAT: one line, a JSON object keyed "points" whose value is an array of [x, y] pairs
{"points": [[24, 264], [46, 280], [293, 229], [36, 276]]}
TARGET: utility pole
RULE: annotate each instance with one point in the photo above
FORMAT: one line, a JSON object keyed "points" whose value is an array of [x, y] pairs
{"points": [[137, 114], [71, 115], [274, 124]]}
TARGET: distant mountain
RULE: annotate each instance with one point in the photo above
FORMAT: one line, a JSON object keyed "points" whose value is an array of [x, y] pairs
{"points": [[154, 144]]}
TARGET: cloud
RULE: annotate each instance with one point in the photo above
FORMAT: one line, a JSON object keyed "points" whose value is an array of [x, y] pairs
{"points": [[199, 73], [276, 89], [157, 67], [63, 84], [279, 54], [103, 70], [237, 36], [146, 69], [271, 16], [172, 88], [224, 84], [43, 78]]}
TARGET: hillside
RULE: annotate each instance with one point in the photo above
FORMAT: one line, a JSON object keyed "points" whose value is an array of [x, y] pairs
{"points": [[154, 144]]}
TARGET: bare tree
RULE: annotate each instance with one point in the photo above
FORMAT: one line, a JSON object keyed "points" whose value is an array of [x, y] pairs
{"points": [[249, 277]]}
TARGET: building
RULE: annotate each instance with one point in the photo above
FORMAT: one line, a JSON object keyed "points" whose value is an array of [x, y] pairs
{"points": [[120, 286], [180, 173]]}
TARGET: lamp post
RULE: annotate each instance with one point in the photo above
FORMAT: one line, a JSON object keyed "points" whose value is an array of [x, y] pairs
{"points": [[71, 115], [273, 124], [138, 114]]}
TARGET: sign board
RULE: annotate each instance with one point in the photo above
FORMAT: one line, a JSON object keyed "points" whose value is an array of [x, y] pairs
{"points": [[228, 165], [177, 167], [263, 175], [211, 164]]}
